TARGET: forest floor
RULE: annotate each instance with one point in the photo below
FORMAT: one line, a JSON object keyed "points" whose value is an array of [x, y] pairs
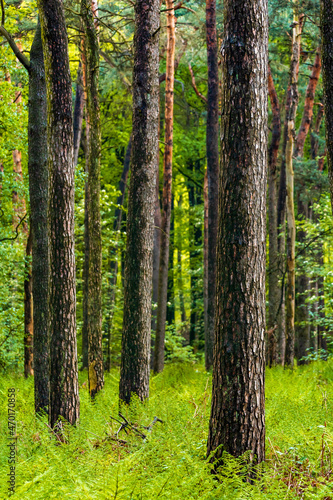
{"points": [[170, 462]]}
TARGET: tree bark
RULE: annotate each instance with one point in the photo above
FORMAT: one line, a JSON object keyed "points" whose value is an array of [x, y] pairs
{"points": [[212, 174], [237, 419], [38, 189], [167, 191], [326, 16], [291, 227], [94, 302], [64, 388], [134, 372], [28, 311], [273, 271]]}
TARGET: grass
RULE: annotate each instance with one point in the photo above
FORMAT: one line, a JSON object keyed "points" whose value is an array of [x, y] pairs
{"points": [[170, 463]]}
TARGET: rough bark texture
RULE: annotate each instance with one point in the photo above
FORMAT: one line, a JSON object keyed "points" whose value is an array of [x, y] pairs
{"points": [[28, 311], [273, 271], [38, 189], [134, 373], [327, 48], [64, 388], [167, 190], [95, 352], [212, 174], [291, 227], [237, 419]]}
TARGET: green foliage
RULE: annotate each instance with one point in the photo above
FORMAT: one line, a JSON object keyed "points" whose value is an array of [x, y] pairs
{"points": [[171, 461], [175, 345]]}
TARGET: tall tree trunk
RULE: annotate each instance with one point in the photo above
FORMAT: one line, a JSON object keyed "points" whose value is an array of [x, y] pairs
{"points": [[78, 113], [273, 271], [281, 208], [315, 132], [28, 311], [180, 284], [170, 314], [167, 190], [205, 281], [291, 227], [95, 352], [303, 282], [197, 293], [212, 174], [85, 269], [326, 16], [237, 419], [134, 372], [156, 253], [118, 216], [38, 189], [64, 387]]}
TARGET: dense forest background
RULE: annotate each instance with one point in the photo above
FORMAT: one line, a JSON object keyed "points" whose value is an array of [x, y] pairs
{"points": [[102, 302], [185, 281]]}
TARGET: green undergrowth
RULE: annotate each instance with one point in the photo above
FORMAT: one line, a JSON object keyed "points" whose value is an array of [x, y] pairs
{"points": [[170, 462]]}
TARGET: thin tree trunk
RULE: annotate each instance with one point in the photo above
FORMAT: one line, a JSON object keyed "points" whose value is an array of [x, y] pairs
{"points": [[170, 315], [114, 250], [273, 271], [326, 16], [237, 419], [85, 269], [64, 388], [205, 282], [212, 134], [78, 113], [291, 227], [135, 354], [180, 284], [95, 352], [308, 105], [157, 251], [282, 216], [315, 132], [303, 282], [167, 190], [38, 189], [28, 311]]}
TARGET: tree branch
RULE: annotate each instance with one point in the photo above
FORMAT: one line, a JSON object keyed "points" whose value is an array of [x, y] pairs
{"points": [[16, 230], [20, 56], [201, 96]]}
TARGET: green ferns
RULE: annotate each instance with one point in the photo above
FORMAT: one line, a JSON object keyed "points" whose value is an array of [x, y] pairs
{"points": [[171, 462]]}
